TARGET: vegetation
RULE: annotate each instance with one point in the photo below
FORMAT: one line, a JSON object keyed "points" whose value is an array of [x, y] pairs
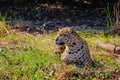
{"points": [[4, 28], [28, 57]]}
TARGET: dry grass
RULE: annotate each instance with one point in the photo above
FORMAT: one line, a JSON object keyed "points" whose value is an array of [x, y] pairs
{"points": [[4, 28]]}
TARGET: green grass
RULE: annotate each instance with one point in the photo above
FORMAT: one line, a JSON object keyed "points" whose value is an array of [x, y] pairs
{"points": [[29, 57]]}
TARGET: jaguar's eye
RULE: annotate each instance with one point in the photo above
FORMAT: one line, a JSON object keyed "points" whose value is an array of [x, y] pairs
{"points": [[65, 35], [62, 36]]}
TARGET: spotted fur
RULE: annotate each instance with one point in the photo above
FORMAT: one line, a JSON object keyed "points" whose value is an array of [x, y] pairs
{"points": [[75, 49]]}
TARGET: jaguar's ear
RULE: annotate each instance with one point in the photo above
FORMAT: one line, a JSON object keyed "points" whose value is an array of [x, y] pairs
{"points": [[72, 30]]}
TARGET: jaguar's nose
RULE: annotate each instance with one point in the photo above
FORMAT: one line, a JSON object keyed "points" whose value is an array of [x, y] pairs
{"points": [[59, 43], [56, 39]]}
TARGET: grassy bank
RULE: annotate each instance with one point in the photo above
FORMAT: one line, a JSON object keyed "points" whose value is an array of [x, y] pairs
{"points": [[31, 57]]}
